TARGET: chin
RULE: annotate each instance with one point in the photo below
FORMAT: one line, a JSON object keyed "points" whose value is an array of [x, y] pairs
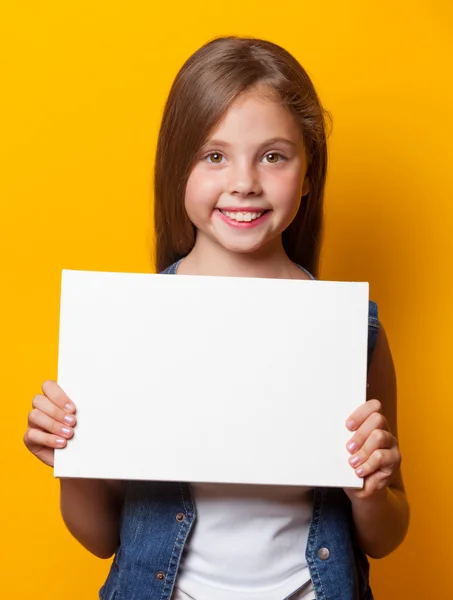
{"points": [[244, 248]]}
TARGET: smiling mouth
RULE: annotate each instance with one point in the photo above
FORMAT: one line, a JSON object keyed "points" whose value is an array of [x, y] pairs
{"points": [[243, 216]]}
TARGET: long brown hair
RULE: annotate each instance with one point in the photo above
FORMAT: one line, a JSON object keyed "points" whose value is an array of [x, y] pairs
{"points": [[207, 84]]}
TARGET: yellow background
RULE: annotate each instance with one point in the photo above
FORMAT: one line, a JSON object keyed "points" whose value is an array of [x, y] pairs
{"points": [[83, 86]]}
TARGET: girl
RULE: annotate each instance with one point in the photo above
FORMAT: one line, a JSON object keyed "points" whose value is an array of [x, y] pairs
{"points": [[239, 183]]}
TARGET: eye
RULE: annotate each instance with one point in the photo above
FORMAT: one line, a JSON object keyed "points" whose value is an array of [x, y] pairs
{"points": [[214, 157], [274, 157]]}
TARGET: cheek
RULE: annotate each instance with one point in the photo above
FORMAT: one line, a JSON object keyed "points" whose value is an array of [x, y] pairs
{"points": [[286, 191], [202, 191]]}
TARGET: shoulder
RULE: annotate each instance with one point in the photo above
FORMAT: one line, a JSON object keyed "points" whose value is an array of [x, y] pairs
{"points": [[373, 329], [373, 315], [170, 270], [381, 372]]}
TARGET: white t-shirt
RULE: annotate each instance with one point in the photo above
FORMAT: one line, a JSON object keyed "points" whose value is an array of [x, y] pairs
{"points": [[305, 594], [248, 543]]}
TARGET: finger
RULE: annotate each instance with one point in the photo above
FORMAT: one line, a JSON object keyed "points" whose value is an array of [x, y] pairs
{"points": [[384, 460], [49, 408], [375, 421], [54, 392], [375, 482], [46, 455], [360, 415], [35, 439], [377, 440], [39, 419]]}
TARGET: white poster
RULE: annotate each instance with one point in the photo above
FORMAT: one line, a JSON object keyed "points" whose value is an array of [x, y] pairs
{"points": [[211, 379]]}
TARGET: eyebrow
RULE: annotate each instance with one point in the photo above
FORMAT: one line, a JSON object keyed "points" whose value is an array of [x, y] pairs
{"points": [[269, 142]]}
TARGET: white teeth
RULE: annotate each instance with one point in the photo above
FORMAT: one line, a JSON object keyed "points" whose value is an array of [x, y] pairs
{"points": [[242, 216]]}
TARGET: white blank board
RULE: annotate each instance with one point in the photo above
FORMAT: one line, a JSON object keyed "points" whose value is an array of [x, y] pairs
{"points": [[211, 379]]}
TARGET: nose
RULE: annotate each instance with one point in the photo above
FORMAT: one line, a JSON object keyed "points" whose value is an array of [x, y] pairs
{"points": [[244, 180]]}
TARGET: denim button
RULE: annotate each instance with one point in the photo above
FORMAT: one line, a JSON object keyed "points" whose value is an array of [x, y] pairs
{"points": [[160, 575], [180, 517], [323, 553]]}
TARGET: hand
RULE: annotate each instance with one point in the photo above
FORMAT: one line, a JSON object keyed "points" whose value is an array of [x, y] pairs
{"points": [[374, 450], [50, 423]]}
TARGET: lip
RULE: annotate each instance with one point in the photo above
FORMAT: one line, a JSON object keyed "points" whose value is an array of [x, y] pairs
{"points": [[243, 224], [244, 209]]}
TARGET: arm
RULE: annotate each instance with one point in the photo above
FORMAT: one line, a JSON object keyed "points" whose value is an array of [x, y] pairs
{"points": [[91, 510], [380, 510], [90, 507]]}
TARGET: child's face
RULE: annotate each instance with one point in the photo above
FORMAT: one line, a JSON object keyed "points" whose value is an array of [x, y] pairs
{"points": [[246, 187]]}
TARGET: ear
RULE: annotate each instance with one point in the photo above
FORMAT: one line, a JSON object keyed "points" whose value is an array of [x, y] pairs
{"points": [[306, 186]]}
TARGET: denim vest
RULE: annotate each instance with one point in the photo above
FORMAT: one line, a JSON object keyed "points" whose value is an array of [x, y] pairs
{"points": [[157, 518]]}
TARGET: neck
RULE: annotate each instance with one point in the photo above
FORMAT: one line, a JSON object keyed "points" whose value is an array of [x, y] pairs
{"points": [[209, 258]]}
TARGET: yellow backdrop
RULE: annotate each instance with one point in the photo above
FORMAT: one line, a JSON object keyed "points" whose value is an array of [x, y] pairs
{"points": [[83, 87]]}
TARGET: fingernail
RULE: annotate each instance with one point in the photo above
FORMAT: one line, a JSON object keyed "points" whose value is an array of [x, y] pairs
{"points": [[69, 419], [60, 441], [354, 461], [352, 446], [65, 431], [360, 472], [350, 424], [69, 407]]}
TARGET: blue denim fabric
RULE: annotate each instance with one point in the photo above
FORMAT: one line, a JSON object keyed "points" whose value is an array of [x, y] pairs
{"points": [[157, 518]]}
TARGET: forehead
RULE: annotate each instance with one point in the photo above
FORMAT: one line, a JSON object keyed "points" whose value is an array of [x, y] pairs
{"points": [[257, 115]]}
